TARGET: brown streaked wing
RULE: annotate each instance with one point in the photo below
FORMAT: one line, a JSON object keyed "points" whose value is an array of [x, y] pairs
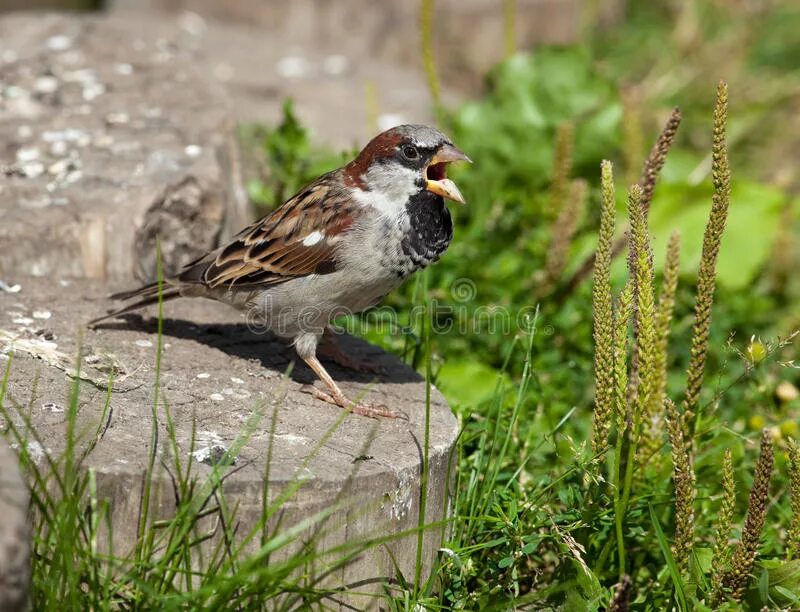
{"points": [[271, 250]]}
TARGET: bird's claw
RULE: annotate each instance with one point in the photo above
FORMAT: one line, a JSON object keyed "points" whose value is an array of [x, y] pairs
{"points": [[372, 411]]}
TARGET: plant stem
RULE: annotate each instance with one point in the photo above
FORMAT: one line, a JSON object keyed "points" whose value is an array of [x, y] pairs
{"points": [[619, 513]]}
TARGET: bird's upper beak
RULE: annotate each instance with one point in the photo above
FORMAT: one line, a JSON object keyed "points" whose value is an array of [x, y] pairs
{"points": [[436, 180]]}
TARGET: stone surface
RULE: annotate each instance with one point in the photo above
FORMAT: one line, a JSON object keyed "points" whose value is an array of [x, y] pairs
{"points": [[113, 131], [15, 543], [469, 35], [222, 380], [109, 135], [339, 92]]}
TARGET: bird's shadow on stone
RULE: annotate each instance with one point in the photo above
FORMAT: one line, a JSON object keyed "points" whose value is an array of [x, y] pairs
{"points": [[238, 340]]}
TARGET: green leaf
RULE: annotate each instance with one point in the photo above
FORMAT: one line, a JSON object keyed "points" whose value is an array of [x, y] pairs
{"points": [[780, 581], [671, 565], [763, 586], [468, 382], [753, 220], [787, 595], [530, 547], [529, 96]]}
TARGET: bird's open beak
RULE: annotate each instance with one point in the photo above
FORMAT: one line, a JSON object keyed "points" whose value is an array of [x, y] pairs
{"points": [[436, 180]]}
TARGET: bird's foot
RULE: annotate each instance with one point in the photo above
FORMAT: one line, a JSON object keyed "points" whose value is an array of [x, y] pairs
{"points": [[372, 411], [328, 349]]}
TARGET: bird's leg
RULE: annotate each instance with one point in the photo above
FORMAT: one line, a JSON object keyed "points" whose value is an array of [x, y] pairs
{"points": [[338, 398], [330, 349]]}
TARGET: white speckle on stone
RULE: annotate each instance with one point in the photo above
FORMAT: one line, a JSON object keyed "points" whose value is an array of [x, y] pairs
{"points": [[102, 141], [64, 282], [58, 167], [400, 500], [210, 449], [212, 454], [32, 169], [193, 150], [27, 154], [390, 120], [46, 84], [82, 75], [72, 58], [237, 393], [143, 343], [24, 132], [73, 177], [335, 65], [52, 407], [42, 314], [75, 135], [293, 67], [58, 148], [93, 90], [22, 321], [59, 43], [203, 375], [313, 238], [123, 69], [192, 23], [216, 397], [122, 461], [119, 118], [293, 439], [6, 288], [35, 451], [237, 381]]}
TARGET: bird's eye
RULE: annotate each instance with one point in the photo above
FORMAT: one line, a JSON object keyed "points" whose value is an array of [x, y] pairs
{"points": [[410, 152]]}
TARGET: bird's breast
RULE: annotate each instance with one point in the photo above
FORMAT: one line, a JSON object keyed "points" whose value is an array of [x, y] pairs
{"points": [[430, 229]]}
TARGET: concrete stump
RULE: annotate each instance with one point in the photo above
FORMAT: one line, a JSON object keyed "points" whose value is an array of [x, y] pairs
{"points": [[220, 379], [15, 538], [109, 137]]}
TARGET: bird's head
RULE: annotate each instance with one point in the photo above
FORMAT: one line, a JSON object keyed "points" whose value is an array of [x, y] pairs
{"points": [[403, 162]]}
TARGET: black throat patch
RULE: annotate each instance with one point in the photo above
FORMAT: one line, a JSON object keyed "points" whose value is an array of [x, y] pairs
{"points": [[431, 228]]}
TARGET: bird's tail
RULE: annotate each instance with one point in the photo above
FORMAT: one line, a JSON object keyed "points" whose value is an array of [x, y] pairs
{"points": [[147, 295]]}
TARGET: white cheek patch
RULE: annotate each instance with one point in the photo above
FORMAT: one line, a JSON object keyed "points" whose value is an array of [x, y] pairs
{"points": [[313, 238], [390, 187]]}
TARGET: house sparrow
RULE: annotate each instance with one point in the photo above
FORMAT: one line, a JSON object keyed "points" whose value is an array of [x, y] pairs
{"points": [[338, 246]]}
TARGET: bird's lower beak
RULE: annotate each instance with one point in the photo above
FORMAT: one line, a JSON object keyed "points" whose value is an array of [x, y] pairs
{"points": [[436, 180]]}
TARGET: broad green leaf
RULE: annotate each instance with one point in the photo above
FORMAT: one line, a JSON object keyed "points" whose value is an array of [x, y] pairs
{"points": [[746, 245], [467, 382]]}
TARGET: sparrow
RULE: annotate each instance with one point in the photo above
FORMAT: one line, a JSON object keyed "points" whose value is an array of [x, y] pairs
{"points": [[336, 247]]}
